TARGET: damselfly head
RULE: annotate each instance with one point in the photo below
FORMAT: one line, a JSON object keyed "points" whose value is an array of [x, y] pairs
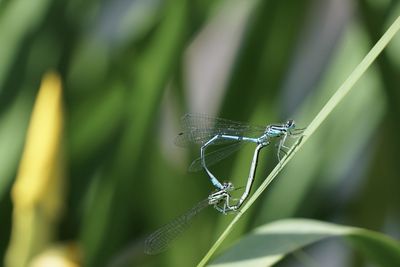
{"points": [[228, 186], [290, 124]]}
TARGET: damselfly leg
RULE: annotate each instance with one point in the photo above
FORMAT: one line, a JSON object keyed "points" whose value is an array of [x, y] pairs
{"points": [[294, 133], [221, 199]]}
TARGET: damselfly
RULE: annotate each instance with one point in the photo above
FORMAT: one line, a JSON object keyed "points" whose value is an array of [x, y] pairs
{"points": [[206, 131], [160, 240]]}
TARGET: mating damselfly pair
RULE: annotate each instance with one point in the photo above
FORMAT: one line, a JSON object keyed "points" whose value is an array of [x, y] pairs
{"points": [[230, 136]]}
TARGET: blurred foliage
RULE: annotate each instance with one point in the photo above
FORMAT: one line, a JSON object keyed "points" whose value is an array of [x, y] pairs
{"points": [[287, 236], [130, 68]]}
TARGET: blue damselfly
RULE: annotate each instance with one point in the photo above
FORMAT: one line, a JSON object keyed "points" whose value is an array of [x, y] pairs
{"points": [[207, 130]]}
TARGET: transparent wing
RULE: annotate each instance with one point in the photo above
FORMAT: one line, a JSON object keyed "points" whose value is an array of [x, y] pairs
{"points": [[199, 128], [160, 240], [216, 156]]}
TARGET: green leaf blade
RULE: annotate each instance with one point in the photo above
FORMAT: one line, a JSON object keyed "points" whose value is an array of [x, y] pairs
{"points": [[270, 243]]}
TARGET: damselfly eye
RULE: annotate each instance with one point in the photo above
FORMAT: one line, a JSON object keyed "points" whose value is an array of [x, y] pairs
{"points": [[290, 124]]}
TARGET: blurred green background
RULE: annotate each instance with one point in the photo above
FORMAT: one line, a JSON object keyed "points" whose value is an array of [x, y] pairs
{"points": [[131, 68]]}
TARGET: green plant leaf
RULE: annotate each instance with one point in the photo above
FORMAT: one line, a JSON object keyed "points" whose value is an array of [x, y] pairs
{"points": [[272, 242]]}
